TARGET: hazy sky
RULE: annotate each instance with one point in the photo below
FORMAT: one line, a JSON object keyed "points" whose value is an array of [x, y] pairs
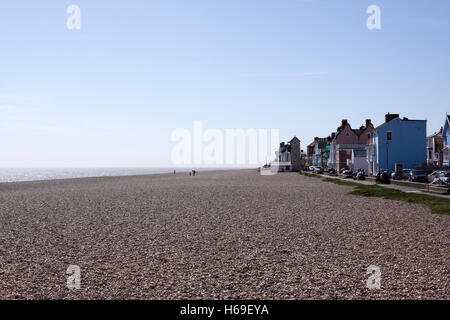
{"points": [[112, 93]]}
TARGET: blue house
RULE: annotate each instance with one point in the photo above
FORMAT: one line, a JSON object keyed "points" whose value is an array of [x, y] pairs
{"points": [[446, 141], [397, 141]]}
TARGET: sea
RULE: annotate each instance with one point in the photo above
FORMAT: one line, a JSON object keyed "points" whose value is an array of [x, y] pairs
{"points": [[16, 174]]}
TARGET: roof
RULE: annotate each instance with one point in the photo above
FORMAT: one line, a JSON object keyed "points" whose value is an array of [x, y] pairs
{"points": [[341, 128], [446, 123], [360, 153], [394, 120], [436, 134], [323, 143], [286, 147]]}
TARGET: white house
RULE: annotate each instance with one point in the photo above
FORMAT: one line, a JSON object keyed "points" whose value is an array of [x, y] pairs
{"points": [[358, 160]]}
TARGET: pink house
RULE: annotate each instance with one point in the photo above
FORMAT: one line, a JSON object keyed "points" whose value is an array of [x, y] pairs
{"points": [[345, 141]]}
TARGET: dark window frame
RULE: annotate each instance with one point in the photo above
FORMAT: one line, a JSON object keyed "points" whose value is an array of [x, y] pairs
{"points": [[389, 135]]}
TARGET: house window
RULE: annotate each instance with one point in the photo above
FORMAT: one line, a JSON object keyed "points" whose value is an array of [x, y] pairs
{"points": [[389, 135], [347, 134]]}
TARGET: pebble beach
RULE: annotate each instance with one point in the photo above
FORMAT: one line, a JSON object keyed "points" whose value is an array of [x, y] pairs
{"points": [[219, 235]]}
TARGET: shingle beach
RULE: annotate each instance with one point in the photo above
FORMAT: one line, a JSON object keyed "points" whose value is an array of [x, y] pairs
{"points": [[218, 235]]}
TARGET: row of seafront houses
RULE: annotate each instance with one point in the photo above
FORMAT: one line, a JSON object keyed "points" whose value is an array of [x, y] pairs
{"points": [[396, 141]]}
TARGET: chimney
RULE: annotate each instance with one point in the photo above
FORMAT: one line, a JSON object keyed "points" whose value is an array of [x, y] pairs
{"points": [[390, 117], [344, 122], [368, 122]]}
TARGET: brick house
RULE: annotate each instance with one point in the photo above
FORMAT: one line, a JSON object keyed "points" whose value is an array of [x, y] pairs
{"points": [[345, 141]]}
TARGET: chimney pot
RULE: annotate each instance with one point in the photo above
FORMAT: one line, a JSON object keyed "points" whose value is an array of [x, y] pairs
{"points": [[391, 116]]}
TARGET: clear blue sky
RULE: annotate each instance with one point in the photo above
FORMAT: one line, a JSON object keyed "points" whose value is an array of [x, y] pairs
{"points": [[110, 94]]}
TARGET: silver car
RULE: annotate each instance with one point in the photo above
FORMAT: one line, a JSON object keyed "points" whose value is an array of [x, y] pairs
{"points": [[443, 178], [318, 169]]}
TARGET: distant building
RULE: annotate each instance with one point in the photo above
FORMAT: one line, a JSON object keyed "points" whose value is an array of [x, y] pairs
{"points": [[317, 152], [397, 141], [310, 153], [326, 153], [435, 146], [446, 142], [288, 156], [303, 159], [320, 150]]}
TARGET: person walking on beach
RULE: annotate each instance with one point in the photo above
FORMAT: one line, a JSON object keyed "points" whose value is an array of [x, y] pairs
{"points": [[193, 173]]}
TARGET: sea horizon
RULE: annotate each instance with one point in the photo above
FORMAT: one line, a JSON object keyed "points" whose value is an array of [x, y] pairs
{"points": [[44, 174]]}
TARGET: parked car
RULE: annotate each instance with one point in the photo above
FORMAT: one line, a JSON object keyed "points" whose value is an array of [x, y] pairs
{"points": [[403, 176], [359, 175], [418, 176], [347, 173], [406, 173], [383, 177], [343, 169], [318, 169], [443, 178], [432, 176], [394, 176]]}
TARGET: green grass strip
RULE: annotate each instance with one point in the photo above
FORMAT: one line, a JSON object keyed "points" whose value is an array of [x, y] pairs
{"points": [[312, 175], [436, 204]]}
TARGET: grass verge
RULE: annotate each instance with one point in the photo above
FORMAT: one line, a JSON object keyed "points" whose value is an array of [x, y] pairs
{"points": [[307, 174], [436, 204]]}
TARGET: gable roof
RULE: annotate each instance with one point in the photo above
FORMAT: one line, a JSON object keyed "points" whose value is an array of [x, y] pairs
{"points": [[446, 124], [357, 131], [322, 142], [384, 123], [341, 129]]}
